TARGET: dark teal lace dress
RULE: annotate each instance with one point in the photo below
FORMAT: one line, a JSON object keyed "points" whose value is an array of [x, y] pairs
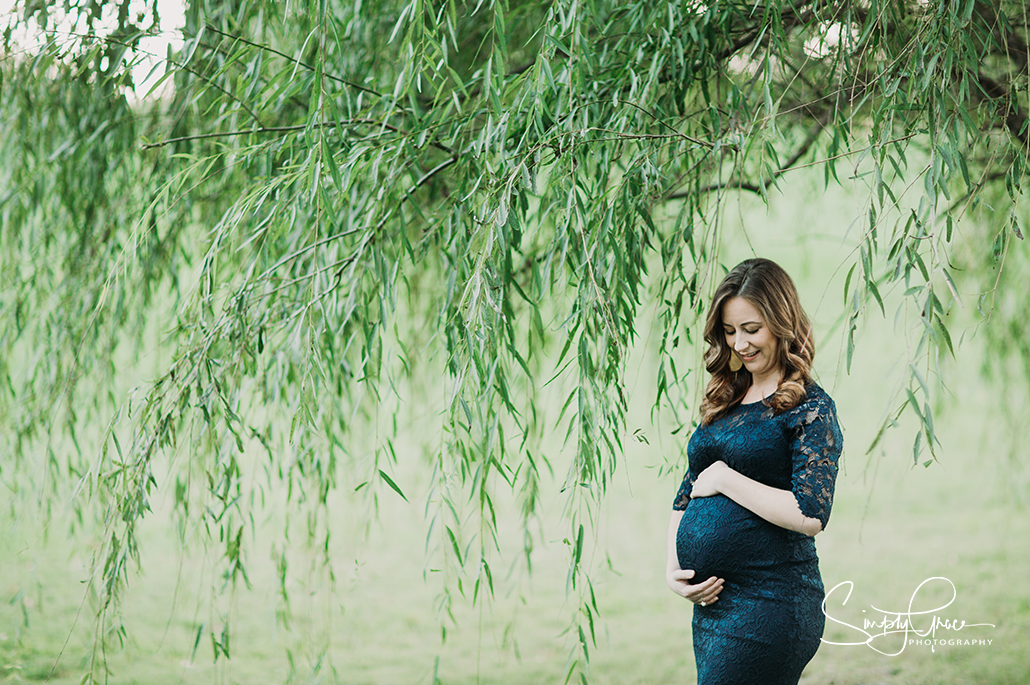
{"points": [[768, 621]]}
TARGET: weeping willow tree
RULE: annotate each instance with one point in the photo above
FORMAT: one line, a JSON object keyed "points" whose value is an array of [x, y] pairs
{"points": [[327, 209]]}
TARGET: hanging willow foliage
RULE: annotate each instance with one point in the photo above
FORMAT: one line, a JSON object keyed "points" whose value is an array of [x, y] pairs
{"points": [[335, 206]]}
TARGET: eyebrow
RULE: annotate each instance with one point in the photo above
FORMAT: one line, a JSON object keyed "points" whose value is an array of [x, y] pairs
{"points": [[746, 323]]}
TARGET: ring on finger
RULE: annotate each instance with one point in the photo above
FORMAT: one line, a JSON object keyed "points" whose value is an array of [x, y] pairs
{"points": [[703, 603]]}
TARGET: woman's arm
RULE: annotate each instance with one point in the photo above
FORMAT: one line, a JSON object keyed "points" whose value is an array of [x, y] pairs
{"points": [[673, 559], [776, 506]]}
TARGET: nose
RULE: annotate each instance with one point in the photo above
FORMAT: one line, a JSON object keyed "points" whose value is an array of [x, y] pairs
{"points": [[739, 343]]}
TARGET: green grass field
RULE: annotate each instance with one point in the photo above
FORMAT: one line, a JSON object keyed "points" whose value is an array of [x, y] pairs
{"points": [[889, 532], [894, 525]]}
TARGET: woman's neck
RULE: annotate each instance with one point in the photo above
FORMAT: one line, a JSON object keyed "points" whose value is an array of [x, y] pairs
{"points": [[763, 386]]}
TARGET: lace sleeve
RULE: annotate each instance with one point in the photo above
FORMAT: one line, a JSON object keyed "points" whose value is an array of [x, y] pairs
{"points": [[683, 494], [815, 451]]}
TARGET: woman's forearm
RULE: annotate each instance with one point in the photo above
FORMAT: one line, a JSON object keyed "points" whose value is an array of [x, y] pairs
{"points": [[776, 506], [673, 559]]}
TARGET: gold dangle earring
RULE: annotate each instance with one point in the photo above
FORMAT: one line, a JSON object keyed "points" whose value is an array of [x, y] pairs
{"points": [[735, 363]]}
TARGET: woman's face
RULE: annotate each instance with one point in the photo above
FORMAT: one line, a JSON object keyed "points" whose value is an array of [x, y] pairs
{"points": [[748, 335]]}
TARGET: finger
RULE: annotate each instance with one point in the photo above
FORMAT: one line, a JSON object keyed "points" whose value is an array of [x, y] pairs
{"points": [[717, 583], [707, 591], [707, 598], [713, 592], [706, 585], [700, 591], [685, 591], [683, 574], [697, 594]]}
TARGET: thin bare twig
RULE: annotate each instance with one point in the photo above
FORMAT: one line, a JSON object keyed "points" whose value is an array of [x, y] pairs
{"points": [[370, 91], [759, 188], [290, 129]]}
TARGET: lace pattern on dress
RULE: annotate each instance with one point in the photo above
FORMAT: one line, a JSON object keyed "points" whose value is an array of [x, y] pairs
{"points": [[683, 494], [815, 447], [815, 450]]}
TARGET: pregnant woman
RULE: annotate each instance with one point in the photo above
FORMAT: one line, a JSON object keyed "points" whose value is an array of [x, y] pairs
{"points": [[759, 486]]}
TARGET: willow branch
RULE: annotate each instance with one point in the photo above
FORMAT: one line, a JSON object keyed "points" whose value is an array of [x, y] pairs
{"points": [[177, 65], [351, 84], [758, 188], [426, 177], [1016, 120], [752, 187], [291, 129]]}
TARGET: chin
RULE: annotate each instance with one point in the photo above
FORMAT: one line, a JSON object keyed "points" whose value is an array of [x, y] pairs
{"points": [[755, 367]]}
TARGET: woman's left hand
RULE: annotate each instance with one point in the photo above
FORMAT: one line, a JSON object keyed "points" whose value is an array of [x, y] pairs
{"points": [[707, 484]]}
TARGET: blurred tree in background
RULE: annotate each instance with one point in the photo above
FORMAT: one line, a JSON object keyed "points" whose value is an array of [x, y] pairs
{"points": [[325, 210]]}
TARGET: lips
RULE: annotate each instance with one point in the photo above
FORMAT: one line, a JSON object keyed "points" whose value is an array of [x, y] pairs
{"points": [[750, 357]]}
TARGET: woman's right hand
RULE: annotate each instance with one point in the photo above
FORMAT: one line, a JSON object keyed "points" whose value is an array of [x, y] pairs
{"points": [[704, 593]]}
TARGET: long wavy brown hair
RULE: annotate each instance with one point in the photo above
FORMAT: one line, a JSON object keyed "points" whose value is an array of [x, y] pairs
{"points": [[764, 284]]}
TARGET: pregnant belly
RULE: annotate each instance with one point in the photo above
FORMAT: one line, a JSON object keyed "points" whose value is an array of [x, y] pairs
{"points": [[718, 537]]}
